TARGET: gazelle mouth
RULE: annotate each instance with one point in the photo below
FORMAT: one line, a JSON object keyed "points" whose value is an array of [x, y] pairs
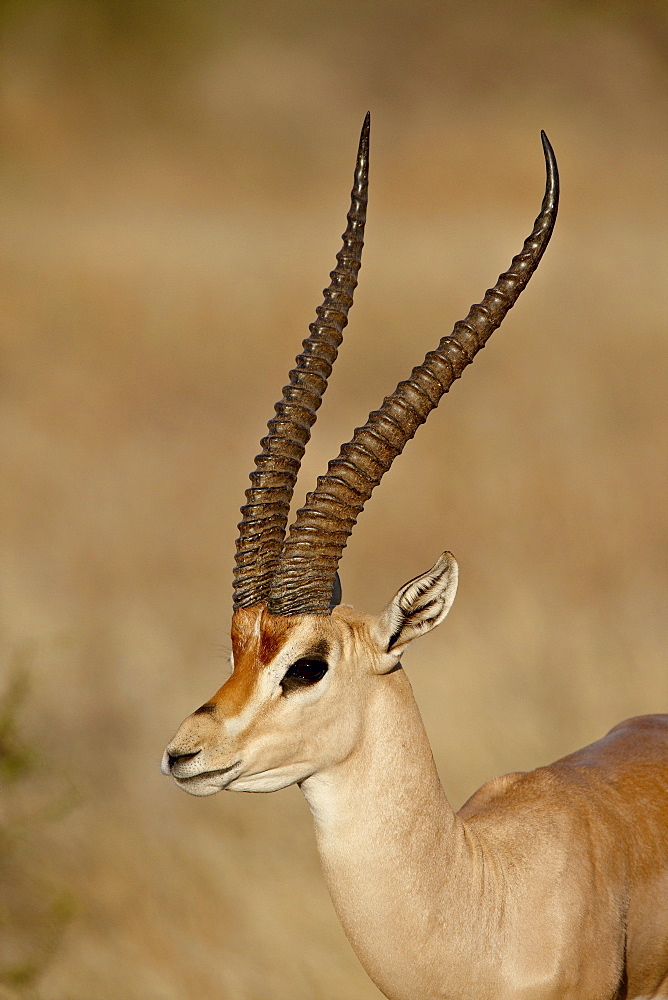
{"points": [[204, 775]]}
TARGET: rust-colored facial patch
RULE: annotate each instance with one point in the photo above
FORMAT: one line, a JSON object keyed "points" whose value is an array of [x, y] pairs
{"points": [[256, 639], [256, 632], [245, 625], [273, 634]]}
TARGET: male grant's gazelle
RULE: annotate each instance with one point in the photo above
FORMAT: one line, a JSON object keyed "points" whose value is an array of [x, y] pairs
{"points": [[549, 884]]}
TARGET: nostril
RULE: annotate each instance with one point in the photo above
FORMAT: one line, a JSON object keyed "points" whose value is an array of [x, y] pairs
{"points": [[180, 758]]}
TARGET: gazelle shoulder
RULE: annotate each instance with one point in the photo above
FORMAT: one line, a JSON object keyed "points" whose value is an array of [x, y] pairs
{"points": [[489, 794]]}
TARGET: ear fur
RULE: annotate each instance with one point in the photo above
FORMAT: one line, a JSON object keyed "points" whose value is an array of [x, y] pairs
{"points": [[418, 607]]}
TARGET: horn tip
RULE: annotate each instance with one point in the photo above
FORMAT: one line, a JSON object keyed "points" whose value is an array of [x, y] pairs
{"points": [[364, 135], [551, 168], [550, 158]]}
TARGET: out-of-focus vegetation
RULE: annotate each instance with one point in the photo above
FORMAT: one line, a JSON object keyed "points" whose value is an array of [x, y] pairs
{"points": [[174, 178], [34, 909]]}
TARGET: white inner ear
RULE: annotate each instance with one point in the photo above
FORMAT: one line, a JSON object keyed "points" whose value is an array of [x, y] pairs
{"points": [[417, 608]]}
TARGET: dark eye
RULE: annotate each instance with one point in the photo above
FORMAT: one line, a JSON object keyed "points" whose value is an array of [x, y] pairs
{"points": [[303, 673]]}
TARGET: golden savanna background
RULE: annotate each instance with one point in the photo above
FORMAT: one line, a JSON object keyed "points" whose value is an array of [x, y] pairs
{"points": [[174, 180]]}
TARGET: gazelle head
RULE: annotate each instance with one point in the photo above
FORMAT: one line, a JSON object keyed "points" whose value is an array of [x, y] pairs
{"points": [[304, 665], [297, 697]]}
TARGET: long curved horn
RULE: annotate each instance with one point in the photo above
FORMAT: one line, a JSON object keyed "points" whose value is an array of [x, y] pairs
{"points": [[265, 515], [305, 574]]}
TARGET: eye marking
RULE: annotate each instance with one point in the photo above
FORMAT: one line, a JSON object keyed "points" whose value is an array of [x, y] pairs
{"points": [[303, 673], [208, 709]]}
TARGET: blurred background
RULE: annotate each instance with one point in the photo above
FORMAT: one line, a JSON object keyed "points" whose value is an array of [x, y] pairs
{"points": [[174, 180]]}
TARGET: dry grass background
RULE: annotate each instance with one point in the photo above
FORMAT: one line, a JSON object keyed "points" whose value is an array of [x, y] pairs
{"points": [[175, 179]]}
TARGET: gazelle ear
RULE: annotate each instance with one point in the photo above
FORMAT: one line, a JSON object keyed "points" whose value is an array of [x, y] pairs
{"points": [[418, 607]]}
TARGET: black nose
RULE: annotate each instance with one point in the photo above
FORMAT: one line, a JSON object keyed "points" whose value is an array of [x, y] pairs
{"points": [[180, 758]]}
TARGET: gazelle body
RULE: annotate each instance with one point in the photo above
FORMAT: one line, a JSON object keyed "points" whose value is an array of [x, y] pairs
{"points": [[549, 885]]}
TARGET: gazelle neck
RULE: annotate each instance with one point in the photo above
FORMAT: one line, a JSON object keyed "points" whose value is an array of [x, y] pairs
{"points": [[378, 816]]}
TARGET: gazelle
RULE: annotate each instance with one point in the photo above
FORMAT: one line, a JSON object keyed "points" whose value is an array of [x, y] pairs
{"points": [[547, 884]]}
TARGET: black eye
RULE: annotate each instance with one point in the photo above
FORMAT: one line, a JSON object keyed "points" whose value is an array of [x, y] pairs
{"points": [[303, 673]]}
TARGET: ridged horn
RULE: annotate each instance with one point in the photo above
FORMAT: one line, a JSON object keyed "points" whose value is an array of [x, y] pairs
{"points": [[265, 515], [305, 574]]}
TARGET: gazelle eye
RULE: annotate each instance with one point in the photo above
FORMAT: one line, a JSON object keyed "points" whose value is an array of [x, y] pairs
{"points": [[303, 673]]}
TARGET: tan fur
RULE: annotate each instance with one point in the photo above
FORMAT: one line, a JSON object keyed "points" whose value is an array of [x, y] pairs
{"points": [[547, 885]]}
